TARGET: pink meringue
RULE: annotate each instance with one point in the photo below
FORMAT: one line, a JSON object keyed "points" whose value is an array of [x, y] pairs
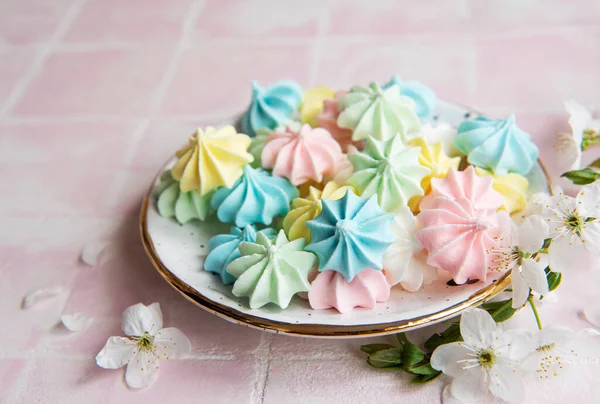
{"points": [[301, 154], [328, 120], [465, 184], [457, 237], [330, 289]]}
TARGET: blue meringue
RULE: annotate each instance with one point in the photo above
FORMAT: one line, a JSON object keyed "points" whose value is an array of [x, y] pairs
{"points": [[350, 235], [271, 107], [497, 145], [423, 96], [257, 197], [224, 249]]}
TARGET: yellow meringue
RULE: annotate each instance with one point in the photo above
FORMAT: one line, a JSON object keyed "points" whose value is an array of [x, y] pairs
{"points": [[212, 158], [312, 103], [305, 209], [512, 186]]}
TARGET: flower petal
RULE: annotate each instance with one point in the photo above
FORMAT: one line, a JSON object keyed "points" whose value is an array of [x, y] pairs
{"points": [[470, 386], [591, 235], [41, 295], [565, 253], [520, 289], [588, 200], [515, 345], [76, 321], [93, 251], [142, 370], [506, 384], [534, 275], [477, 328], [532, 233], [592, 314], [117, 352], [446, 358], [139, 319], [171, 343]]}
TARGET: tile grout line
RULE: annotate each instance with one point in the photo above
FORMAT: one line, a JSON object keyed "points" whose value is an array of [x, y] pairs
{"points": [[262, 354], [25, 81]]}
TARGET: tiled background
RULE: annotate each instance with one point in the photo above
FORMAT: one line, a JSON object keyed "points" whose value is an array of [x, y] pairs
{"points": [[95, 95]]}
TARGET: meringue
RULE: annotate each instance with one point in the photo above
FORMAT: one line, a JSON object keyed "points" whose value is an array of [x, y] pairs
{"points": [[497, 145], [404, 259], [304, 209], [465, 184], [257, 145], [257, 197], [328, 120], [512, 186], [213, 158], [440, 132], [271, 272], [433, 157], [223, 249], [312, 103], [457, 237], [423, 96], [350, 235], [389, 170], [272, 106], [183, 206], [331, 290], [372, 111], [301, 155]]}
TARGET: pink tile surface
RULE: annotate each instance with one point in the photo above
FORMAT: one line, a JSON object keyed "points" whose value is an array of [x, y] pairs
{"points": [[95, 95]]}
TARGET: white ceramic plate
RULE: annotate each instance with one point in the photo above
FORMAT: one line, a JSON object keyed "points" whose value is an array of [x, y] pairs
{"points": [[178, 252]]}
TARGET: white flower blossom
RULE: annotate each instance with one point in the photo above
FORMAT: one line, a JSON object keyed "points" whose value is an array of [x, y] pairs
{"points": [[513, 252], [146, 343], [404, 260], [574, 225], [487, 362]]}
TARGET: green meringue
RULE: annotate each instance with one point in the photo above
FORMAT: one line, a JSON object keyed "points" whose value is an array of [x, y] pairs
{"points": [[377, 112], [389, 169], [257, 145], [271, 272], [183, 206]]}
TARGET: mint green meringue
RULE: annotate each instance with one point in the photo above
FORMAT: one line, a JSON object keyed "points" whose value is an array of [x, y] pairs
{"points": [[497, 145], [377, 112], [389, 169], [271, 272], [183, 206], [257, 145]]}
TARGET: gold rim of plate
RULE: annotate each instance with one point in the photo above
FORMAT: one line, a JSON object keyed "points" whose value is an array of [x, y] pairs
{"points": [[307, 329]]}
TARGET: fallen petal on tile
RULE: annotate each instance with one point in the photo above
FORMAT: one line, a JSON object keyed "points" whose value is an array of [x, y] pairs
{"points": [[76, 321], [42, 295], [592, 314], [92, 252]]}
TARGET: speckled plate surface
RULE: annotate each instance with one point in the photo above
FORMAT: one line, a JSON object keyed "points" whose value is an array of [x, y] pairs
{"points": [[178, 253]]}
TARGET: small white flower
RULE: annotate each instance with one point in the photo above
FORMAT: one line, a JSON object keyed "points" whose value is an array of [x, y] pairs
{"points": [[145, 345], [513, 252], [486, 362], [404, 261], [535, 206], [574, 225], [568, 145], [557, 348]]}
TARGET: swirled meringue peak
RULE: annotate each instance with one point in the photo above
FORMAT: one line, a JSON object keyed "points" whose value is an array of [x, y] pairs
{"points": [[331, 290], [497, 145], [328, 120], [257, 197], [389, 170], [301, 154], [350, 235], [423, 96], [457, 237], [373, 111], [312, 103], [467, 185], [224, 249], [512, 186], [271, 271], [304, 209], [271, 106], [183, 206], [212, 158], [257, 145]]}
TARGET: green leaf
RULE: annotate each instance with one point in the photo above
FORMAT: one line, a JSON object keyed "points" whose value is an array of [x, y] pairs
{"points": [[372, 348], [412, 354], [420, 379], [584, 176], [387, 358], [500, 311], [422, 369], [554, 279], [401, 337], [451, 334]]}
